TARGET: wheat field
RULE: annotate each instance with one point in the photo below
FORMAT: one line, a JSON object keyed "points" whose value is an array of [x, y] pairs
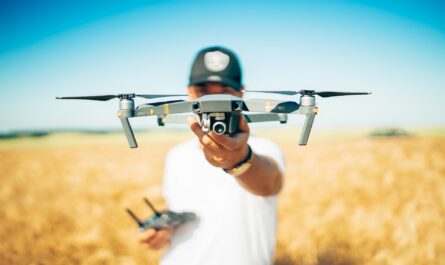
{"points": [[346, 200]]}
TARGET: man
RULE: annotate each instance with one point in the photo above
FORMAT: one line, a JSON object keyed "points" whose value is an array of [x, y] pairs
{"points": [[230, 182]]}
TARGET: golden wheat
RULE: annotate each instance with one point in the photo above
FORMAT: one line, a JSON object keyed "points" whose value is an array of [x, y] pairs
{"points": [[359, 201]]}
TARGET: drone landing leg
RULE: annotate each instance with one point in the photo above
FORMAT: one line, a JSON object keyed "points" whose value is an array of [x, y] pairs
{"points": [[307, 128], [129, 132]]}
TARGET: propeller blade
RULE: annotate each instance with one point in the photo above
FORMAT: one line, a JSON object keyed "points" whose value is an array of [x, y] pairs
{"points": [[164, 102], [281, 92], [149, 96], [323, 94], [326, 94], [99, 98], [121, 96]]}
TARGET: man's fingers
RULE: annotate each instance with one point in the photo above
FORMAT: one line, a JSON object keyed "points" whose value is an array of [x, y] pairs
{"points": [[161, 239], [208, 142], [202, 136], [224, 140], [147, 235], [196, 127], [243, 126], [232, 143], [236, 141], [156, 242]]}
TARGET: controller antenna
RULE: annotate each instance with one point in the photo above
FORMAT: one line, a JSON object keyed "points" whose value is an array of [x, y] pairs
{"points": [[135, 217], [152, 207]]}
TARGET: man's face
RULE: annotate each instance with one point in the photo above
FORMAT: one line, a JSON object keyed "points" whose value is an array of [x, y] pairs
{"points": [[211, 88]]}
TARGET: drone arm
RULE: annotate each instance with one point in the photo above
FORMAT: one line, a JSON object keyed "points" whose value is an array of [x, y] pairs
{"points": [[263, 117], [250, 118], [178, 119], [163, 109], [270, 105]]}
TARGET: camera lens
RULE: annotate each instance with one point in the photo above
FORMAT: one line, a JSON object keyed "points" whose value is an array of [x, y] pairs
{"points": [[219, 127]]}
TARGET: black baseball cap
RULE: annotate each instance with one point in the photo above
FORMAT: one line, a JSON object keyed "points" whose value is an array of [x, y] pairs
{"points": [[216, 64]]}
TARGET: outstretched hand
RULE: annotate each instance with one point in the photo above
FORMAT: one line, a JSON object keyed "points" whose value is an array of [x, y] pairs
{"points": [[156, 239], [222, 150]]}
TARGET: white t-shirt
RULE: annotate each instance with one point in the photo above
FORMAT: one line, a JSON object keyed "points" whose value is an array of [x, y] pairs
{"points": [[233, 225]]}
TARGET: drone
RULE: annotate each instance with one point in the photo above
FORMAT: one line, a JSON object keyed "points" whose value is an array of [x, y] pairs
{"points": [[219, 113], [162, 219]]}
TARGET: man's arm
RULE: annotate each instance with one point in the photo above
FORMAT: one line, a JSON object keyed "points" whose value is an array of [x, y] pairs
{"points": [[262, 178]]}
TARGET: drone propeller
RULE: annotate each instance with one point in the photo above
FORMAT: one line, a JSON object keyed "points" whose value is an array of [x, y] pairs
{"points": [[164, 102], [123, 96], [323, 94], [281, 92], [326, 94]]}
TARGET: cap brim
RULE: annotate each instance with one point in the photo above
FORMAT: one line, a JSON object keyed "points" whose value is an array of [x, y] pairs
{"points": [[210, 79]]}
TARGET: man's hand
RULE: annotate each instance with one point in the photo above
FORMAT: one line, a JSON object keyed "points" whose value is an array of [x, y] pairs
{"points": [[222, 150], [156, 240], [263, 178]]}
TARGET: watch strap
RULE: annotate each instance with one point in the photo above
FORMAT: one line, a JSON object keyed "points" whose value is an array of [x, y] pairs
{"points": [[242, 166]]}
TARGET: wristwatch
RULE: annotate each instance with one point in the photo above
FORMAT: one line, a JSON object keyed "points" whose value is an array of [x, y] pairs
{"points": [[242, 166]]}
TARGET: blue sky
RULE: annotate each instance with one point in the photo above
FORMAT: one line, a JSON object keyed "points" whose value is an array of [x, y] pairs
{"points": [[396, 49]]}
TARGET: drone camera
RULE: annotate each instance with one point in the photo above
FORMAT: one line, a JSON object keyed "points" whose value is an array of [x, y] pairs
{"points": [[214, 122], [219, 127], [205, 122]]}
